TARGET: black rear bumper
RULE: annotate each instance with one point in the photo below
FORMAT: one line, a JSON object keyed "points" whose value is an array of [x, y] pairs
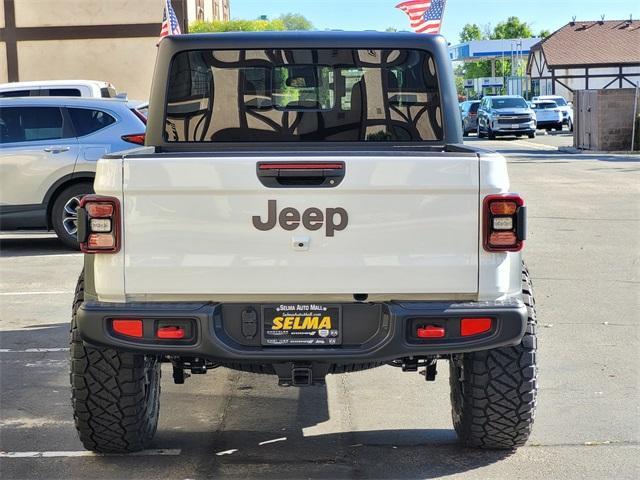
{"points": [[370, 332]]}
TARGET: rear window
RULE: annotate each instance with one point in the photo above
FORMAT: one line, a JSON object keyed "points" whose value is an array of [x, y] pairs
{"points": [[474, 107], [87, 120], [17, 93], [339, 95], [545, 105], [62, 92]]}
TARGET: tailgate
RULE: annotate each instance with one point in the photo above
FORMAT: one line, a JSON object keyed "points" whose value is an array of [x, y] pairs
{"points": [[393, 225]]}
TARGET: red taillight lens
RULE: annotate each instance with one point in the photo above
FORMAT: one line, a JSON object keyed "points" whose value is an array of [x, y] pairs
{"points": [[137, 138], [173, 332], [130, 328], [504, 223], [99, 210], [100, 241], [99, 224], [430, 331], [474, 326], [300, 166], [502, 239]]}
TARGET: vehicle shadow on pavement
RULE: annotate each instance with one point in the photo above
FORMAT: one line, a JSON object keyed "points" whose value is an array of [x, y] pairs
{"points": [[245, 428], [26, 246], [40, 336], [273, 445]]}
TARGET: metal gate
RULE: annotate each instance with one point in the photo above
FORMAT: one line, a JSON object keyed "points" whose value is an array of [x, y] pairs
{"points": [[585, 114]]}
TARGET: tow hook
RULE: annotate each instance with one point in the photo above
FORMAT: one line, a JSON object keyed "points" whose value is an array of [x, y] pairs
{"points": [[179, 375], [197, 366], [430, 372], [411, 364]]}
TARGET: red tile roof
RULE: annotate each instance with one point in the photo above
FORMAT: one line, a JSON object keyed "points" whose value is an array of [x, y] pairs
{"points": [[612, 42]]}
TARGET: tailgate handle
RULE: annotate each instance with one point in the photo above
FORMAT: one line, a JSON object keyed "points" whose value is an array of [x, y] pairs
{"points": [[300, 174]]}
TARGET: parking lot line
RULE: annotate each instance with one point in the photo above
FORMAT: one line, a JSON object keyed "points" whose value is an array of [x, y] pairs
{"points": [[34, 350], [54, 292], [536, 146], [54, 255], [86, 453]]}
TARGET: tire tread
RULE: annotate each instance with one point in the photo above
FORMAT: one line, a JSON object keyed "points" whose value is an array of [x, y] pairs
{"points": [[494, 404], [112, 412]]}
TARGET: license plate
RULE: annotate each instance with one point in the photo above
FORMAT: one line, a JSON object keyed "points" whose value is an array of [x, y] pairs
{"points": [[301, 325], [515, 125]]}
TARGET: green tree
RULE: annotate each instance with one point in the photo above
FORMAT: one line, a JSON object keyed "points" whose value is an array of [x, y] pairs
{"points": [[544, 33], [391, 29], [469, 32], [295, 21], [512, 28], [236, 26], [288, 21]]}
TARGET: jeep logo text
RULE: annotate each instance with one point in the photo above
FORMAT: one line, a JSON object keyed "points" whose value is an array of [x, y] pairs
{"points": [[334, 219]]}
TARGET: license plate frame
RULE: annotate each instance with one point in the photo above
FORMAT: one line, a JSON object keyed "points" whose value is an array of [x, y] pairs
{"points": [[289, 331]]}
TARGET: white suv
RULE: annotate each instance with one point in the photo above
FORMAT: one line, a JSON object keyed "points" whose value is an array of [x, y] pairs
{"points": [[565, 107], [59, 88], [49, 147]]}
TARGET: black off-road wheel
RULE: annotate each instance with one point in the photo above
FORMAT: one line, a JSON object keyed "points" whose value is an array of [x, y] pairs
{"points": [[115, 395], [493, 392]]}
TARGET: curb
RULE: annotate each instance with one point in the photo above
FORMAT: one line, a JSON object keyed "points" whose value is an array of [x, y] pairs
{"points": [[573, 151]]}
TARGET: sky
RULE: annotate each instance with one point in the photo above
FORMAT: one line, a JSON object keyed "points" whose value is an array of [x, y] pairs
{"points": [[380, 14]]}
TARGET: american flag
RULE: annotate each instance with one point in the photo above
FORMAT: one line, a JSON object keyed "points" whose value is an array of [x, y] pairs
{"points": [[425, 16], [169, 21]]}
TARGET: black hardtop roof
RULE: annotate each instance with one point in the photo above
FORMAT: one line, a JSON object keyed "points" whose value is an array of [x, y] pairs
{"points": [[325, 39], [171, 45]]}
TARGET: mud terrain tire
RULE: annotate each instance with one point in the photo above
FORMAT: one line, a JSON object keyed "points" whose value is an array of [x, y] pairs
{"points": [[115, 395], [493, 392]]}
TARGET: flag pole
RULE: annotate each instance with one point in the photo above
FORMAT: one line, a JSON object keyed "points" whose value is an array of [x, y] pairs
{"points": [[444, 11]]}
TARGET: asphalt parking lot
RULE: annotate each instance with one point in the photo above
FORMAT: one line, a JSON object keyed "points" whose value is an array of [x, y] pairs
{"points": [[584, 255]]}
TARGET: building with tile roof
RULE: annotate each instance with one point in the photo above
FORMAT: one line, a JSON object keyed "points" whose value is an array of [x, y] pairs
{"points": [[585, 55]]}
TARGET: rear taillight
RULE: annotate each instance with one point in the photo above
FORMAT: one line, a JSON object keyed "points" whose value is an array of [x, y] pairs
{"points": [[128, 327], [99, 224], [504, 223], [137, 138]]}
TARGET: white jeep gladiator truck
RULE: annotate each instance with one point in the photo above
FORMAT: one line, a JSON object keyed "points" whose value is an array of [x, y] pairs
{"points": [[303, 206]]}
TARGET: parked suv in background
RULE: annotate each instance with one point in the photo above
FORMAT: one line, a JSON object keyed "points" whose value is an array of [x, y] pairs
{"points": [[565, 107], [469, 111], [59, 88], [48, 152], [548, 115], [505, 115]]}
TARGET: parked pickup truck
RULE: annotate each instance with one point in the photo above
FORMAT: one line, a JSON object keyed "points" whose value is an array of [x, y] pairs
{"points": [[303, 206]]}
